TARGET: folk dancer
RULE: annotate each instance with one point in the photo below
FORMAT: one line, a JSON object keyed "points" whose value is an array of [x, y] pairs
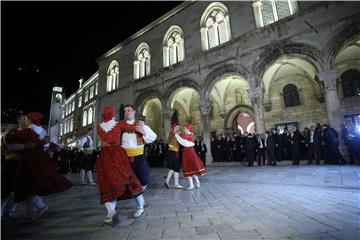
{"points": [[116, 179], [191, 163], [172, 158], [134, 134], [86, 147]]}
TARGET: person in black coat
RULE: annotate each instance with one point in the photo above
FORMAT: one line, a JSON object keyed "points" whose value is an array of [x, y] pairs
{"points": [[270, 148], [234, 150], [228, 150], [260, 150], [250, 145], [219, 149], [313, 143], [279, 145], [213, 147], [295, 141], [332, 153], [203, 151]]}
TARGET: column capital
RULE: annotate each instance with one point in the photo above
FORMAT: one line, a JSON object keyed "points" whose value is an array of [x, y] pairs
{"points": [[205, 107], [328, 79], [255, 95]]}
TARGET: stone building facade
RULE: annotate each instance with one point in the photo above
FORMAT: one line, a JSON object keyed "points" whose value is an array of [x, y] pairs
{"points": [[279, 63]]}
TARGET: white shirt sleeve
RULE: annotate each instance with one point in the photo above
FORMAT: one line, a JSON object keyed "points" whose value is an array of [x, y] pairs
{"points": [[183, 142], [80, 144], [150, 136]]}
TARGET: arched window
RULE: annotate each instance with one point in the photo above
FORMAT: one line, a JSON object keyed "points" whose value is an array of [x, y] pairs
{"points": [[61, 129], [350, 81], [142, 61], [90, 116], [80, 101], [173, 46], [270, 11], [112, 76], [96, 88], [291, 96], [215, 26], [71, 124], [84, 118]]}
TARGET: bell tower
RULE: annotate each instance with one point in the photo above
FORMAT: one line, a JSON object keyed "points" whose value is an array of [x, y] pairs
{"points": [[57, 99]]}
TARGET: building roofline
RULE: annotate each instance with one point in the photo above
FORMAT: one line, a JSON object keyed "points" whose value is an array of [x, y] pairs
{"points": [[147, 28]]}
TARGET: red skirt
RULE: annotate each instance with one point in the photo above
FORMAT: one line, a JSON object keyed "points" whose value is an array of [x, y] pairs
{"points": [[116, 179], [37, 174], [191, 163]]}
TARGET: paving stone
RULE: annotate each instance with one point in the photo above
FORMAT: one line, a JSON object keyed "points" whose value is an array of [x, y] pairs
{"points": [[284, 202]]}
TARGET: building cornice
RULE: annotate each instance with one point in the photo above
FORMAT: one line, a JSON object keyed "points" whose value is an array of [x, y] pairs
{"points": [[147, 28]]}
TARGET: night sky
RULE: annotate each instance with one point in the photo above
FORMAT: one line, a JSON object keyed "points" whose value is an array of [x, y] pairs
{"points": [[44, 43]]}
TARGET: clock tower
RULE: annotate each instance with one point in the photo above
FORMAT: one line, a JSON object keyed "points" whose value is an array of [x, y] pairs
{"points": [[57, 99]]}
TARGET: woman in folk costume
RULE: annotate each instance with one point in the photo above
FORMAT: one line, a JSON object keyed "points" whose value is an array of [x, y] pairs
{"points": [[116, 179], [172, 158], [191, 163], [36, 173]]}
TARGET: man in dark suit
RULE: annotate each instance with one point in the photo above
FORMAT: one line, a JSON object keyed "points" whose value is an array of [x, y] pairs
{"points": [[250, 145], [313, 143], [260, 150], [270, 148], [201, 149], [295, 142]]}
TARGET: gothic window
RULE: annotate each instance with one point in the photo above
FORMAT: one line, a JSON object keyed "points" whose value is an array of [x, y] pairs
{"points": [[291, 96], [215, 26], [112, 77], [270, 11], [351, 83], [71, 124], [142, 61], [73, 106], [61, 129], [80, 101], [91, 91], [84, 118], [173, 46], [86, 96], [96, 88], [63, 113], [90, 116]]}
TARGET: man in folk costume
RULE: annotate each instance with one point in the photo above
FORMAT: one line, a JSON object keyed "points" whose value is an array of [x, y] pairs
{"points": [[134, 134], [191, 162], [86, 147], [116, 179], [172, 158], [36, 174]]}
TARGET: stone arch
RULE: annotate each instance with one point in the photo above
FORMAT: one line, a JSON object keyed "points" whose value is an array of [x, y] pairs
{"points": [[340, 40], [171, 90], [235, 111], [143, 96], [272, 54], [214, 74]]}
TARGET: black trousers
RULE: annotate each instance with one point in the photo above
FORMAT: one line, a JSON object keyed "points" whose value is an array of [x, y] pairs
{"points": [[261, 156], [314, 153]]}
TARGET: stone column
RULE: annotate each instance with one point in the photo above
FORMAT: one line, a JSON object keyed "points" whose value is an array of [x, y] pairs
{"points": [[205, 108], [167, 114], [332, 101], [255, 95]]}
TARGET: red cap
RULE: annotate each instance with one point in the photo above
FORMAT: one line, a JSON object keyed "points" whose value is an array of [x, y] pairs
{"points": [[109, 113], [35, 117], [189, 127]]}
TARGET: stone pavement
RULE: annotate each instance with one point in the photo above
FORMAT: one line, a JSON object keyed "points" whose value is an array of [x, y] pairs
{"points": [[281, 202]]}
